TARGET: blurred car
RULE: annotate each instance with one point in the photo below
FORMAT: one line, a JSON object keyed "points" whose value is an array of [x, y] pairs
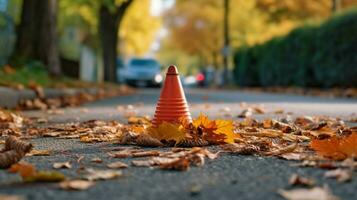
{"points": [[143, 72], [120, 70], [206, 77], [189, 81]]}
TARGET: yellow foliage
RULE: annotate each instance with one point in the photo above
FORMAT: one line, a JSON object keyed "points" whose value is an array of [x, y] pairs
{"points": [[217, 131], [138, 29], [168, 131]]}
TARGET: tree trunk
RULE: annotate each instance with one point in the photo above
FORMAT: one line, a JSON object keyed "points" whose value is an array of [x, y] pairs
{"points": [[108, 33], [226, 48], [36, 34], [109, 23], [336, 4]]}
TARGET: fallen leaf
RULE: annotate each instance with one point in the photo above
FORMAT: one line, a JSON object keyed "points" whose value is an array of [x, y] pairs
{"points": [[143, 163], [117, 165], [147, 141], [76, 185], [62, 165], [45, 176], [167, 131], [13, 151], [181, 164], [93, 175], [241, 149], [299, 180], [39, 153], [215, 131], [291, 156], [341, 175], [337, 148], [279, 111], [121, 154], [286, 149], [315, 193], [23, 168], [96, 160], [29, 173], [145, 153]]}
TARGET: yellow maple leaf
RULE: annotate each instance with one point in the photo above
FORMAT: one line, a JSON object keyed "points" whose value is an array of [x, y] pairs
{"points": [[217, 131], [167, 131], [204, 122], [225, 127]]}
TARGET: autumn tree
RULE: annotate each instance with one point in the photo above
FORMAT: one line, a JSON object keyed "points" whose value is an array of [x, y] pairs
{"points": [[138, 30], [37, 34], [195, 28], [111, 14]]}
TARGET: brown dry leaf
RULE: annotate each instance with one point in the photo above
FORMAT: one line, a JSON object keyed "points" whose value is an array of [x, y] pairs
{"points": [[299, 180], [292, 156], [121, 154], [76, 185], [128, 137], [259, 109], [315, 193], [282, 150], [145, 153], [23, 168], [13, 152], [241, 149], [36, 152], [143, 163], [96, 160], [62, 165], [279, 111], [180, 164], [337, 148], [117, 165], [341, 175], [93, 175], [147, 141]]}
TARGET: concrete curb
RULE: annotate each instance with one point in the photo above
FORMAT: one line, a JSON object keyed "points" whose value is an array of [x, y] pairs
{"points": [[10, 98]]}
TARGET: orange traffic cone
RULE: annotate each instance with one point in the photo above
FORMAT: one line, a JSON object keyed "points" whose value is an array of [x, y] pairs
{"points": [[172, 104]]}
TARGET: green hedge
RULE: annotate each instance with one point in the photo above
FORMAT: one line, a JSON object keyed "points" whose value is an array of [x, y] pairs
{"points": [[314, 56]]}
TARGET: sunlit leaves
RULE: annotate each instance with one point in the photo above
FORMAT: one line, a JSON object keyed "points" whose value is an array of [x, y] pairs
{"points": [[139, 29], [201, 129], [216, 131], [168, 131]]}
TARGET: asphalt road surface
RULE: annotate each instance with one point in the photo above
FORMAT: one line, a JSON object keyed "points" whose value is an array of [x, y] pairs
{"points": [[228, 177]]}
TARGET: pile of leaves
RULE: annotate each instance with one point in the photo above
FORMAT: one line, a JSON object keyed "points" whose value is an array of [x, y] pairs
{"points": [[41, 102]]}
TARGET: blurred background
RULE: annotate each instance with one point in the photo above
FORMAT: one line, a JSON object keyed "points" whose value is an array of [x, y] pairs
{"points": [[214, 43]]}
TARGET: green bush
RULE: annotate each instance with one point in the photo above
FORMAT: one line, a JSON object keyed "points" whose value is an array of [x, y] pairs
{"points": [[313, 56]]}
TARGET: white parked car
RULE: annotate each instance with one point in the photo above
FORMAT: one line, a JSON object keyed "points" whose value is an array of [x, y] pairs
{"points": [[143, 72]]}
